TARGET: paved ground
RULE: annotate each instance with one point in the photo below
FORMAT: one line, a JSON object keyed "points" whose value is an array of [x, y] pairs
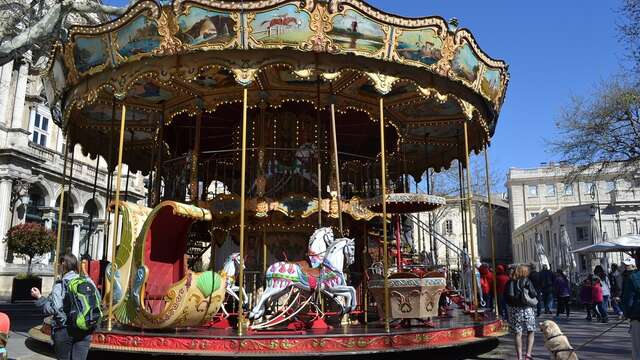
{"points": [[613, 345]]}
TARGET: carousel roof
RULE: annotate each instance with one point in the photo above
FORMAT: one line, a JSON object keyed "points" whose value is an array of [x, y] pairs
{"points": [[168, 61]]}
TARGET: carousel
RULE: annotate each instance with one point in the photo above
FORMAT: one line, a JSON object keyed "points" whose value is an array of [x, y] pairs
{"points": [[283, 143]]}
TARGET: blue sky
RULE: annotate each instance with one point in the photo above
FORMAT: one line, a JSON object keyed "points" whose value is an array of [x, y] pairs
{"points": [[555, 49]]}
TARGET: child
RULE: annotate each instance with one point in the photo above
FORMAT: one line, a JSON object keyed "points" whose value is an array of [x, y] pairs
{"points": [[586, 297], [5, 324], [598, 298]]}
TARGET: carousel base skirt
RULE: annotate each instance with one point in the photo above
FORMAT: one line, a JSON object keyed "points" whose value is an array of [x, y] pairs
{"points": [[346, 340]]}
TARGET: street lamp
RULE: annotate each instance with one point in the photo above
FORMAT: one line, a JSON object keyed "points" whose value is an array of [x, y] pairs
{"points": [[595, 196]]}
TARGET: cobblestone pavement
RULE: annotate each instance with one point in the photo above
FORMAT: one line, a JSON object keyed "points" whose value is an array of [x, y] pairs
{"points": [[615, 344]]}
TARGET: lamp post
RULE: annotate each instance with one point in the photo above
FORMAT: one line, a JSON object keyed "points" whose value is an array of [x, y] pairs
{"points": [[593, 192]]}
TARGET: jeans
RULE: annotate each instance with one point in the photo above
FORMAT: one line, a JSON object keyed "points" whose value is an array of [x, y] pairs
{"points": [[70, 344], [634, 330], [563, 305], [502, 305], [591, 309], [602, 310], [547, 298], [615, 303]]}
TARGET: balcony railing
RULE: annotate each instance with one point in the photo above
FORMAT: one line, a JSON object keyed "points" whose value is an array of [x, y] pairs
{"points": [[625, 197]]}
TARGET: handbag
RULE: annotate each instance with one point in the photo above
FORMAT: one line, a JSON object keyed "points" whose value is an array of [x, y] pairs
{"points": [[525, 297]]}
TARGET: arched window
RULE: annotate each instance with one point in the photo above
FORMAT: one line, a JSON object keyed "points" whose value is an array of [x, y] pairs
{"points": [[67, 228], [34, 207]]}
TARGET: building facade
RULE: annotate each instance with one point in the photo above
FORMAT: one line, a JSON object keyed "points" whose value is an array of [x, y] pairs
{"points": [[449, 233], [547, 203], [32, 151]]}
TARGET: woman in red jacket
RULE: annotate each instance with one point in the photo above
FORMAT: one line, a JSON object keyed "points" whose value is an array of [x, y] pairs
{"points": [[501, 281], [486, 283], [598, 298]]}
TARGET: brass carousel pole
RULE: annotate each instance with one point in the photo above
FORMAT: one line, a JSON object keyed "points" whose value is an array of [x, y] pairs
{"points": [[195, 158], [336, 165], [264, 248], [383, 181], [474, 282], [243, 173], [116, 213], [60, 209], [491, 234], [318, 151]]}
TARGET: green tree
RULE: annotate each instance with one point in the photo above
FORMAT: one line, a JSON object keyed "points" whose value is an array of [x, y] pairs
{"points": [[30, 239]]}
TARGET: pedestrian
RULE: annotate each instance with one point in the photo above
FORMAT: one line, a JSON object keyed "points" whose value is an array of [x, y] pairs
{"points": [[598, 300], [606, 292], [615, 279], [501, 281], [631, 304], [486, 285], [534, 277], [546, 288], [563, 294], [5, 326], [586, 297], [68, 341], [521, 298]]}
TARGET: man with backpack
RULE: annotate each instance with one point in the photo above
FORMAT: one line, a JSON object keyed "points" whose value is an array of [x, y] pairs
{"points": [[631, 304], [76, 307]]}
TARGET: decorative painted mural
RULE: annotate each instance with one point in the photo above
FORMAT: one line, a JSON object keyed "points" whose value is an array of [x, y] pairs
{"points": [[98, 112], [465, 63], [491, 83], [284, 25], [89, 53], [139, 36], [149, 92], [423, 45], [103, 112], [201, 26], [429, 108], [212, 80], [354, 31]]}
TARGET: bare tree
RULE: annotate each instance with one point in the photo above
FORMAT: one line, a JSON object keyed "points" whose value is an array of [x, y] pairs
{"points": [[603, 131], [35, 25], [630, 30]]}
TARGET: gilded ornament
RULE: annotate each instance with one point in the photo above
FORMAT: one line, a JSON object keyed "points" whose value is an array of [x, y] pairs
{"points": [[244, 76], [382, 83]]}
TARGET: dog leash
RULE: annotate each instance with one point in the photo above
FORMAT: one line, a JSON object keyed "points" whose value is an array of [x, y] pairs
{"points": [[600, 334], [585, 343]]}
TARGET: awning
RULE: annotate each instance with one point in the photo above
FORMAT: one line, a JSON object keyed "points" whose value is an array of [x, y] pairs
{"points": [[623, 243]]}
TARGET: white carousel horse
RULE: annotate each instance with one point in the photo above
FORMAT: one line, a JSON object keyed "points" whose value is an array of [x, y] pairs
{"points": [[317, 248], [283, 276], [231, 268]]}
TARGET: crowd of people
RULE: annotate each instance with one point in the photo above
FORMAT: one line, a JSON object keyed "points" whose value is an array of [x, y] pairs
{"points": [[524, 293]]}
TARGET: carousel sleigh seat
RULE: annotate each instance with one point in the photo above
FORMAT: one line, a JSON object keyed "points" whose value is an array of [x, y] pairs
{"points": [[164, 293]]}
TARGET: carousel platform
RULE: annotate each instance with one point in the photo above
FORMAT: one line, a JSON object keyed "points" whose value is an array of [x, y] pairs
{"points": [[348, 340]]}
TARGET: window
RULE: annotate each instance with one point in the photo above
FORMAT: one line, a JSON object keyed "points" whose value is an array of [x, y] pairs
{"points": [[448, 227], [534, 214], [582, 233], [551, 190], [533, 190], [611, 185], [587, 187], [568, 189], [40, 129]]}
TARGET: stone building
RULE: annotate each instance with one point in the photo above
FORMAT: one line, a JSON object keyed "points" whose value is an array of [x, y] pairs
{"points": [[31, 161], [448, 228], [546, 205]]}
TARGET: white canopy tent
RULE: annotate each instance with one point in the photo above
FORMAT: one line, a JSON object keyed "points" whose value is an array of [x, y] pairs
{"points": [[621, 244]]}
